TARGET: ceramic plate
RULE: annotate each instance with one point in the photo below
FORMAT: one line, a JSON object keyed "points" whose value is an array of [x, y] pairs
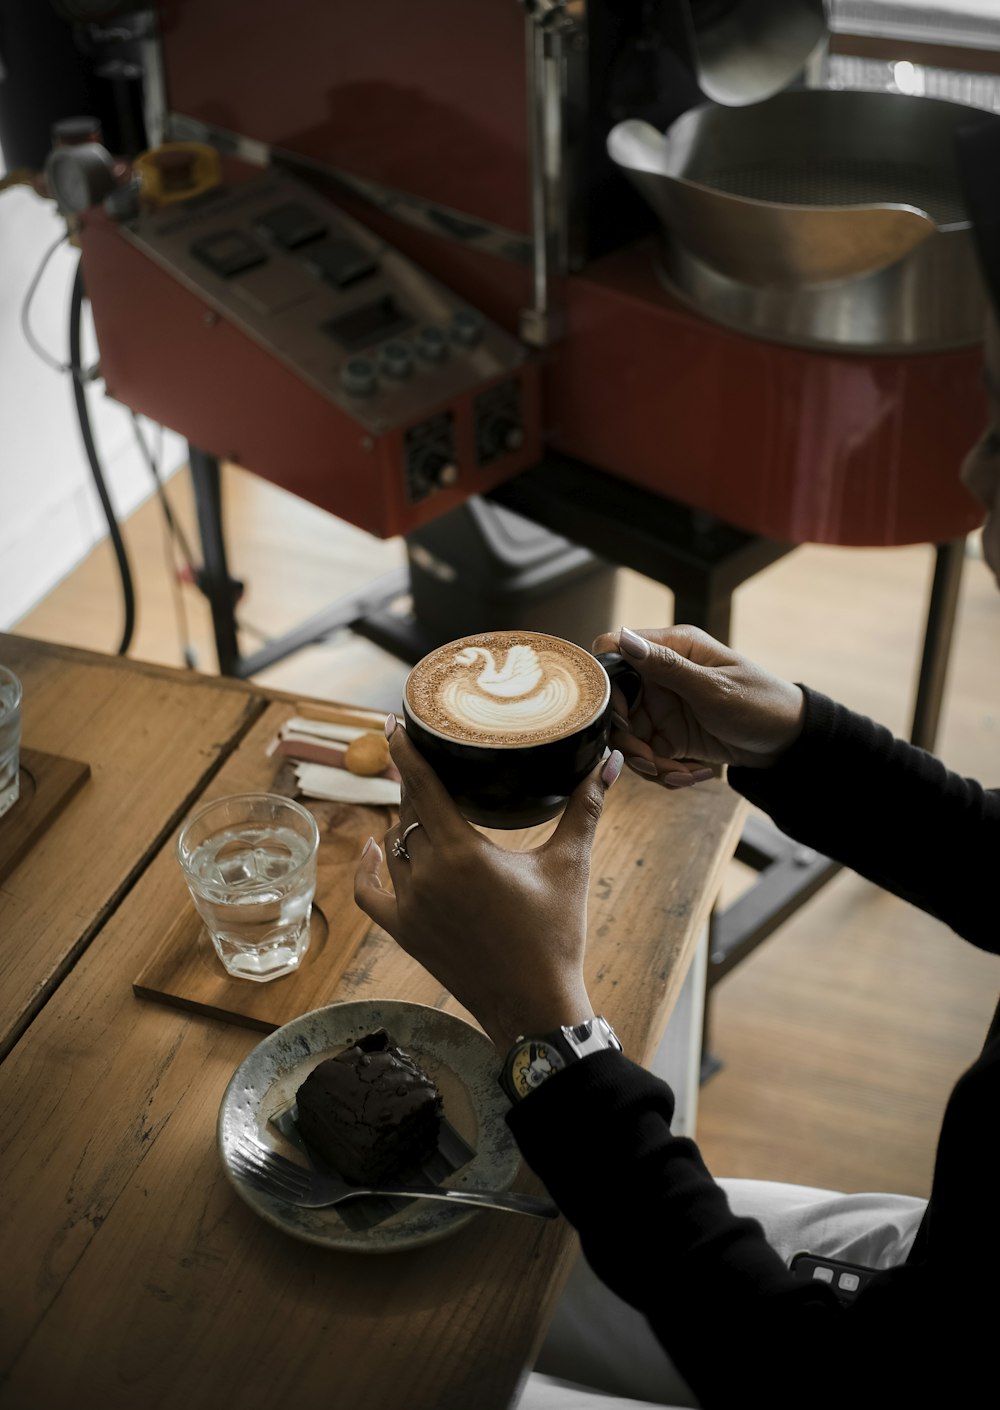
{"points": [[457, 1057]]}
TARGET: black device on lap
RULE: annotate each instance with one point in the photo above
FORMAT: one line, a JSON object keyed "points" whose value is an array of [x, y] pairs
{"points": [[846, 1279]]}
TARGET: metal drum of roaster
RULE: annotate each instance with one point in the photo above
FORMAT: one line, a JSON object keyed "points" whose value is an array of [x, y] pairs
{"points": [[818, 218]]}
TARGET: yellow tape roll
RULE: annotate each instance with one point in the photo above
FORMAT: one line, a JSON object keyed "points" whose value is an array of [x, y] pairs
{"points": [[177, 171]]}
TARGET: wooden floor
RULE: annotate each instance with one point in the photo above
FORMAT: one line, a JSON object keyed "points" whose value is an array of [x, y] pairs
{"points": [[842, 1035]]}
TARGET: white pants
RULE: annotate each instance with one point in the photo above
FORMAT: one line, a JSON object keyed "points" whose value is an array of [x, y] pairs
{"points": [[624, 1367]]}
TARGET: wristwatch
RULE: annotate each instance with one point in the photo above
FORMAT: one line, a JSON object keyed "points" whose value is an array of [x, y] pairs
{"points": [[532, 1059]]}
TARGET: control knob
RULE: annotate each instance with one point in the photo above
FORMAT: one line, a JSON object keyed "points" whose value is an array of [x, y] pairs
{"points": [[358, 377], [467, 327], [397, 359], [432, 343], [511, 436], [431, 469], [498, 435]]}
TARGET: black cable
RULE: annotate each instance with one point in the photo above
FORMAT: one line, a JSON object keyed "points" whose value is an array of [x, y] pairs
{"points": [[86, 432]]}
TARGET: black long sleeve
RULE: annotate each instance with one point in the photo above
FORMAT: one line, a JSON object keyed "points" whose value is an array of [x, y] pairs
{"points": [[658, 1230], [891, 812]]}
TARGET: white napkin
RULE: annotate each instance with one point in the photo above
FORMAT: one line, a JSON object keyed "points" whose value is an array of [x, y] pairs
{"points": [[300, 731], [339, 786]]}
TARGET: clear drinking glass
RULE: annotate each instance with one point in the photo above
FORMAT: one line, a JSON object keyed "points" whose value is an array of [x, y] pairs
{"points": [[250, 864], [10, 739]]}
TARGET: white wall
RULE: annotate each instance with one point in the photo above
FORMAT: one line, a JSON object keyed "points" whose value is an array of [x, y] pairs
{"points": [[50, 515]]}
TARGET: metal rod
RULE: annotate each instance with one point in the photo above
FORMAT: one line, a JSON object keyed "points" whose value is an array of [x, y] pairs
{"points": [[949, 561], [544, 34], [348, 612], [216, 582]]}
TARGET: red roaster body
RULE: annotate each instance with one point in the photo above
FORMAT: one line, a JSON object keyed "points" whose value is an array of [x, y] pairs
{"points": [[168, 355], [799, 445]]}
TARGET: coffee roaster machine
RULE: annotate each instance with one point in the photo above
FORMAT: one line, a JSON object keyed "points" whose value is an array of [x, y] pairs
{"points": [[427, 264], [435, 255], [423, 268]]}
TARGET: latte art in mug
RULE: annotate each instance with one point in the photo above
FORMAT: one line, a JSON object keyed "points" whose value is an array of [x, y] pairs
{"points": [[507, 688], [513, 721], [518, 697]]}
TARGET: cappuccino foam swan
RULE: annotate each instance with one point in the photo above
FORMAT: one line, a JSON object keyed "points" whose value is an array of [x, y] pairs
{"points": [[507, 688]]}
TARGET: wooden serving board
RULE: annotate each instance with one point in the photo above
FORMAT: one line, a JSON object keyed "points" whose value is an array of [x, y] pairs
{"points": [[185, 970], [48, 782]]}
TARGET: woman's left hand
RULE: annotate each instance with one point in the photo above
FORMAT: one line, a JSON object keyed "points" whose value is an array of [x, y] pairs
{"points": [[503, 931]]}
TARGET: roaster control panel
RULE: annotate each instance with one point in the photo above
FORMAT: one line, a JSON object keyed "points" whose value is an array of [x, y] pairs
{"points": [[353, 317]]}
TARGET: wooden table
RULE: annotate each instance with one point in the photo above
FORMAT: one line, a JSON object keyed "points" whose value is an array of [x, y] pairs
{"points": [[153, 738], [132, 1272]]}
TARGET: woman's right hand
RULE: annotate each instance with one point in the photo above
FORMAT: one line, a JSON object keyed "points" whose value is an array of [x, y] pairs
{"points": [[700, 703]]}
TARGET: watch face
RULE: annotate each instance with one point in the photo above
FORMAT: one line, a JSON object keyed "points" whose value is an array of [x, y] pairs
{"points": [[530, 1063]]}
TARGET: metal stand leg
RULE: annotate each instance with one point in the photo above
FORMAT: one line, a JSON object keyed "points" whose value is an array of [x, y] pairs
{"points": [[790, 874], [215, 580], [365, 611], [713, 613], [949, 562]]}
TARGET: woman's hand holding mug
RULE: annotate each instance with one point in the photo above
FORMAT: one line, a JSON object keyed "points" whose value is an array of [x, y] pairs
{"points": [[701, 703], [503, 931]]}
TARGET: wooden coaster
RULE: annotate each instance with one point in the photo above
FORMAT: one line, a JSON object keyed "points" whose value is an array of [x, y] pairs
{"points": [[186, 972], [48, 782]]}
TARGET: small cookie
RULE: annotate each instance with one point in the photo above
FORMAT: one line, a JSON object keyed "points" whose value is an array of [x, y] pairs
{"points": [[367, 755]]}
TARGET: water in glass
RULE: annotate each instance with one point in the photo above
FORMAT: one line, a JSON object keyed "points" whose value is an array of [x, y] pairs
{"points": [[254, 893]]}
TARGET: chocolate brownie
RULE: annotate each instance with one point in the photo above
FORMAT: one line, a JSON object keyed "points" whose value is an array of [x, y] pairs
{"points": [[369, 1113]]}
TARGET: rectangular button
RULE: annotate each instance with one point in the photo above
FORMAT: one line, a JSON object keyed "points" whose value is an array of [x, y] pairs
{"points": [[339, 262], [370, 324], [291, 225], [229, 253]]}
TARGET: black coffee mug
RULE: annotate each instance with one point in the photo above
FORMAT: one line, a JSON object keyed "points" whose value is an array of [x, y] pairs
{"points": [[521, 787]]}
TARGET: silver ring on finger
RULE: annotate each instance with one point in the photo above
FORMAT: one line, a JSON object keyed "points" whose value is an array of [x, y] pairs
{"points": [[399, 846]]}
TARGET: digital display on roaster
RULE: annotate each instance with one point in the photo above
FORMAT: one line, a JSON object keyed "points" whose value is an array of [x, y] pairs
{"points": [[369, 324]]}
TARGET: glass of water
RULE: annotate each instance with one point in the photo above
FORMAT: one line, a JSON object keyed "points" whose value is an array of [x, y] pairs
{"points": [[250, 865], [10, 739]]}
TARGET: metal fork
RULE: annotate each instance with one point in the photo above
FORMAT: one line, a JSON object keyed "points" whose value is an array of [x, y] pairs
{"points": [[308, 1189]]}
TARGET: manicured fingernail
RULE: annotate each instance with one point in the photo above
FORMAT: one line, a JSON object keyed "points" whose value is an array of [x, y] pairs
{"points": [[618, 722], [642, 766], [612, 767], [701, 775], [367, 848], [678, 780], [633, 645], [390, 725]]}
